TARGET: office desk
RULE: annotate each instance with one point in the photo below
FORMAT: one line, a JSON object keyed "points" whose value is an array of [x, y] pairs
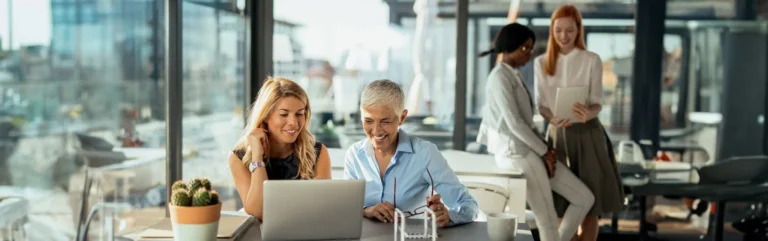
{"points": [[374, 231]]}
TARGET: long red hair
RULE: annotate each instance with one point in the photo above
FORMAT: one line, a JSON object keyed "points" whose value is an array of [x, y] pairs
{"points": [[553, 50]]}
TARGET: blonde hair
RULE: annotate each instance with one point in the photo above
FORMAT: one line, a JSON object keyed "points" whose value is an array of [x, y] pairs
{"points": [[270, 93]]}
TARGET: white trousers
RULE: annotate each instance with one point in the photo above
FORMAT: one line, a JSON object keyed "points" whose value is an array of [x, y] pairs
{"points": [[539, 195]]}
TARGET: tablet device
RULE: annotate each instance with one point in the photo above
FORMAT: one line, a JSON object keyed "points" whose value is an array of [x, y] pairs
{"points": [[566, 97]]}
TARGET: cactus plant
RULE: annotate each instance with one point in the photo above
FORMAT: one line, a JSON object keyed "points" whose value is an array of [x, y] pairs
{"points": [[194, 185], [206, 183], [181, 197], [201, 198], [179, 185], [214, 197]]}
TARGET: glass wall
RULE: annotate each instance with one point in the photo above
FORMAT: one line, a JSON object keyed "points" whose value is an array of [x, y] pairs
{"points": [[81, 114], [213, 67], [333, 53], [727, 65], [617, 51]]}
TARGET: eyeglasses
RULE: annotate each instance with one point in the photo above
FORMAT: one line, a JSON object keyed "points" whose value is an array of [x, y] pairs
{"points": [[526, 49], [418, 210]]}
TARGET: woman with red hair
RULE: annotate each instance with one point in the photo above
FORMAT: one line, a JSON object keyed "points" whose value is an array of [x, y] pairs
{"points": [[509, 133], [580, 142]]}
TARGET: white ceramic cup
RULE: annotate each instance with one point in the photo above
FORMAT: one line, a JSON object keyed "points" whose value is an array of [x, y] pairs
{"points": [[502, 226]]}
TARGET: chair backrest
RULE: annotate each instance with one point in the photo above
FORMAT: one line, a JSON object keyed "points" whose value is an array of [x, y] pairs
{"points": [[629, 152], [490, 198]]}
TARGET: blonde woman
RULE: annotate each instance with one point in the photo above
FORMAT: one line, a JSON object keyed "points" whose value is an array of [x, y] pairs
{"points": [[276, 144]]}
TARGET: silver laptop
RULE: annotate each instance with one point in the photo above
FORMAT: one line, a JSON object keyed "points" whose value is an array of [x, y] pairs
{"points": [[312, 209]]}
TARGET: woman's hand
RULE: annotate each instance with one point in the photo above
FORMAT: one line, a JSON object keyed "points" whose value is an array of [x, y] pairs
{"points": [[560, 123], [581, 112], [257, 141], [550, 159]]}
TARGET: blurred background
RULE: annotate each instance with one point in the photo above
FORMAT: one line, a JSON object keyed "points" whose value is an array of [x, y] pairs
{"points": [[83, 88]]}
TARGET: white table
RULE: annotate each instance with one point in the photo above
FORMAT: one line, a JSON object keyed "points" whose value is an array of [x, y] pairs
{"points": [[468, 167]]}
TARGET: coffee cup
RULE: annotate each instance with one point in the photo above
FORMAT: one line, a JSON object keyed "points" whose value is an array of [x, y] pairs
{"points": [[502, 226]]}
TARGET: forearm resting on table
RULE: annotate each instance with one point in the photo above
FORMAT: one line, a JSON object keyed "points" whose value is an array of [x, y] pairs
{"points": [[254, 200]]}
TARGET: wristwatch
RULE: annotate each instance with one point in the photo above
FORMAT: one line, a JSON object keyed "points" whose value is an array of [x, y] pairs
{"points": [[254, 165]]}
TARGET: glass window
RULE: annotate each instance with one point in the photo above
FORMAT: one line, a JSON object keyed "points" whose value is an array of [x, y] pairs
{"points": [[213, 69], [617, 52], [333, 58], [77, 104]]}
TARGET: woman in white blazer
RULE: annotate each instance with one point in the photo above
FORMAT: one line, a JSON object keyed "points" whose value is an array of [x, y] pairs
{"points": [[584, 144], [507, 129]]}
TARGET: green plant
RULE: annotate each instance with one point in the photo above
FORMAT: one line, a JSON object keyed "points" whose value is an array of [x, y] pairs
{"points": [[197, 192], [179, 185], [195, 184], [206, 183], [201, 198], [181, 197]]}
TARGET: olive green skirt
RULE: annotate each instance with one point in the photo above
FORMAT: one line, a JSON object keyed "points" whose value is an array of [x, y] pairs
{"points": [[587, 151]]}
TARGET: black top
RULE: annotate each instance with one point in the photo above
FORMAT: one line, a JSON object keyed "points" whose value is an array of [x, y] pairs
{"points": [[283, 168]]}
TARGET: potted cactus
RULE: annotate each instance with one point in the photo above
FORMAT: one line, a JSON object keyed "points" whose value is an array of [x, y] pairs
{"points": [[195, 210]]}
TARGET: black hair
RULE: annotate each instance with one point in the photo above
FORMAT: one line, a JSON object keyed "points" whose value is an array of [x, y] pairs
{"points": [[510, 38]]}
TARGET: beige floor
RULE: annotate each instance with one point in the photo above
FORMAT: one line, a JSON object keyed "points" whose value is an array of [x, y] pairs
{"points": [[669, 216]]}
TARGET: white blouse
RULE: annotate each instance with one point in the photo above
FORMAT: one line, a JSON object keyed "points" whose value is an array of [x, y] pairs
{"points": [[577, 68]]}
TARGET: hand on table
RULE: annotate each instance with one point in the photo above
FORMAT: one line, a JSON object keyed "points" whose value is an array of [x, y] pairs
{"points": [[383, 211]]}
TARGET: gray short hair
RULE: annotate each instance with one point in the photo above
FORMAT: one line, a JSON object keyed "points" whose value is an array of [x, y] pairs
{"points": [[384, 93]]}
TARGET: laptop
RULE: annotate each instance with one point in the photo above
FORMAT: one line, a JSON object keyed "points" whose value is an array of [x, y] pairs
{"points": [[312, 209]]}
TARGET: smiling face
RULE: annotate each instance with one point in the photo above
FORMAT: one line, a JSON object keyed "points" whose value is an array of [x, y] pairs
{"points": [[381, 125], [565, 31], [287, 120]]}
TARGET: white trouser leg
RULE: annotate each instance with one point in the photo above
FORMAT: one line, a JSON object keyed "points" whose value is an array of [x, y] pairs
{"points": [[539, 195], [578, 195]]}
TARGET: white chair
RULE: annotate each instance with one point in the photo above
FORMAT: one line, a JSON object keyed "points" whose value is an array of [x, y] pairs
{"points": [[490, 198], [493, 198]]}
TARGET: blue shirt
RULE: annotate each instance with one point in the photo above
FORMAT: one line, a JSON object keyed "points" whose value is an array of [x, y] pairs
{"points": [[409, 165]]}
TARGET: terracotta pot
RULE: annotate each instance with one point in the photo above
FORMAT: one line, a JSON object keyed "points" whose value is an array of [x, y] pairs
{"points": [[195, 223]]}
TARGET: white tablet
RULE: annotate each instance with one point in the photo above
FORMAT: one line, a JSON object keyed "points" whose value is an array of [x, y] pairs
{"points": [[566, 97]]}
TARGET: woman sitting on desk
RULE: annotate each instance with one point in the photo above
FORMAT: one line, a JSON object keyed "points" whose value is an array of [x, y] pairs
{"points": [[584, 146], [401, 171], [508, 131], [276, 144]]}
